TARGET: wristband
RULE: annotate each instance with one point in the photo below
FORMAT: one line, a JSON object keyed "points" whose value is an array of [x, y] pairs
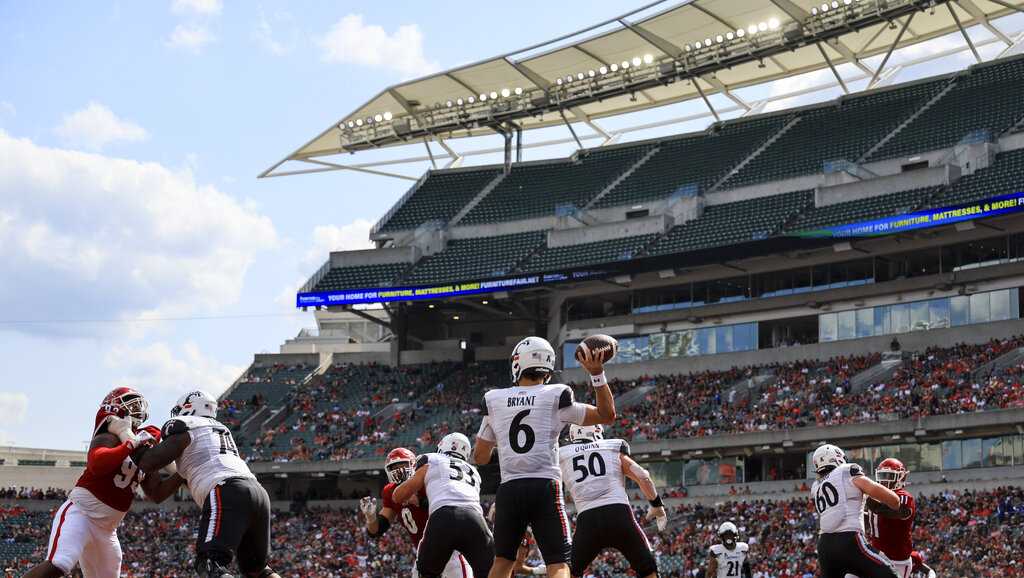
{"points": [[599, 380], [656, 502]]}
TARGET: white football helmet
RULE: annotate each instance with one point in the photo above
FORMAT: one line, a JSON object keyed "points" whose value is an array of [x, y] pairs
{"points": [[532, 353], [455, 444], [586, 433], [827, 456], [197, 403], [727, 527]]}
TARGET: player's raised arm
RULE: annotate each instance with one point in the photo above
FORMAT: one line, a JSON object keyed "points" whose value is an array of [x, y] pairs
{"points": [[604, 412], [642, 477], [175, 439], [877, 491]]}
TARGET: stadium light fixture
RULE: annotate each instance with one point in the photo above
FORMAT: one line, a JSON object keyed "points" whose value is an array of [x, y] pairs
{"points": [[740, 32], [591, 73], [636, 61], [762, 26], [449, 104], [483, 97], [388, 115], [519, 90], [505, 93], [359, 122], [580, 76], [719, 39], [455, 317], [752, 29], [493, 95], [614, 67], [471, 99], [603, 70], [707, 42], [558, 81], [459, 101], [648, 58], [773, 24], [729, 35], [835, 4], [625, 64]]}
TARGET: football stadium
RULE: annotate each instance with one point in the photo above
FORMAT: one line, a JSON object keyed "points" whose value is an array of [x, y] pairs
{"points": [[775, 279]]}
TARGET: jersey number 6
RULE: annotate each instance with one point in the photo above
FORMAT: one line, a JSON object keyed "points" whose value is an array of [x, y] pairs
{"points": [[518, 427], [595, 466]]}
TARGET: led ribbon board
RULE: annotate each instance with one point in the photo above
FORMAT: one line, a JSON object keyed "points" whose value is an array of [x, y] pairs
{"points": [[991, 207], [390, 294]]}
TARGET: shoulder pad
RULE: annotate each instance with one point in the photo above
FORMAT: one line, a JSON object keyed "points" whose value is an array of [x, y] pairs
{"points": [[742, 546], [565, 399], [386, 493], [174, 426], [716, 549], [855, 470], [624, 447], [422, 461]]}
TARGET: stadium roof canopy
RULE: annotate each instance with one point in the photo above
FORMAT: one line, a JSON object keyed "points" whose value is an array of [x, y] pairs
{"points": [[658, 54]]}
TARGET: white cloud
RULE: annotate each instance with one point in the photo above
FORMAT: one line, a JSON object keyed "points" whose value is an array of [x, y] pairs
{"points": [[351, 41], [96, 126], [158, 365], [116, 238], [350, 237], [264, 33], [14, 408], [191, 37], [204, 7]]}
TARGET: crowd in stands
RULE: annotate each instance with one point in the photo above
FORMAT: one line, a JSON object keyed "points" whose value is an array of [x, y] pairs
{"points": [[961, 534], [340, 417], [25, 493]]}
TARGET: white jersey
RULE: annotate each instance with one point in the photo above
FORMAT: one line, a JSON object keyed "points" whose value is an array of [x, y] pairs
{"points": [[730, 562], [210, 458], [525, 423], [450, 481], [839, 503], [593, 473]]}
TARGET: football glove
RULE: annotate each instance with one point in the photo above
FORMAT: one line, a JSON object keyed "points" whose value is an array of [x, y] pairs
{"points": [[368, 506], [122, 428], [659, 516]]}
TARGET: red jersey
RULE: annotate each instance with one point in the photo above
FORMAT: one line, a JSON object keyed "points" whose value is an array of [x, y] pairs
{"points": [[891, 535], [112, 482], [412, 516]]}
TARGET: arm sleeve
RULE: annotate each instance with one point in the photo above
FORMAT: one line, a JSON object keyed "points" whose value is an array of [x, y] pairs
{"points": [[855, 470], [568, 410], [422, 461], [174, 426], [486, 431], [105, 461], [624, 448]]}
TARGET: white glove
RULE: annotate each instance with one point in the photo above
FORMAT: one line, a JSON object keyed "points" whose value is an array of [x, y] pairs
{"points": [[144, 436], [541, 570], [368, 506], [122, 428], [931, 573], [659, 517], [170, 469]]}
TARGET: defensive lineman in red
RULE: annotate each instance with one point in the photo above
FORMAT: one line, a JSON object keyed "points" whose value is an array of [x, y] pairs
{"points": [[413, 514], [890, 530], [85, 526]]}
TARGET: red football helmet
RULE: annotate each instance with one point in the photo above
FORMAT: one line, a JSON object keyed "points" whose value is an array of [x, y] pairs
{"points": [[891, 473], [123, 402], [399, 465]]}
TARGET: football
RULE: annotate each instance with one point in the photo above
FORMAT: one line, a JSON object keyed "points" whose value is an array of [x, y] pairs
{"points": [[601, 345]]}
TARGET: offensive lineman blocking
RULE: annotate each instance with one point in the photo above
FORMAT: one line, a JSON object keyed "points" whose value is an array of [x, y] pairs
{"points": [[235, 522], [838, 499], [524, 421], [456, 523]]}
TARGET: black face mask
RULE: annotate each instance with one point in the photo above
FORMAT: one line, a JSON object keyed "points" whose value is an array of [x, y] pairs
{"points": [[729, 540]]}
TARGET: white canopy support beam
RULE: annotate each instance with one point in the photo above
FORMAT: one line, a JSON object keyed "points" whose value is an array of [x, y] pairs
{"points": [[341, 167], [696, 84], [456, 159], [967, 39], [800, 15], [832, 67], [1015, 47], [892, 47], [976, 13]]}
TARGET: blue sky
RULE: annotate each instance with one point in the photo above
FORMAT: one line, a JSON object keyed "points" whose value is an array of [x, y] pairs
{"points": [[130, 137]]}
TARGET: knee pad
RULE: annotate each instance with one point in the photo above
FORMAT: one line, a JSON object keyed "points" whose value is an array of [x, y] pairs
{"points": [[207, 568]]}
